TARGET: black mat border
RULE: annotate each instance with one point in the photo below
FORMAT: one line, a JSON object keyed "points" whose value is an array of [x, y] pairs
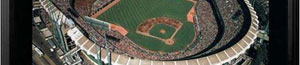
{"points": [[16, 20], [284, 42], [293, 19], [283, 25], [4, 32]]}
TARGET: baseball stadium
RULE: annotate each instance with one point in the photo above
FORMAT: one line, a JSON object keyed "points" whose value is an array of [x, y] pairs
{"points": [[158, 32]]}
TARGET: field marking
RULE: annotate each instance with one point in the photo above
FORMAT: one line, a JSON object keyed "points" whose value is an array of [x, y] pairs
{"points": [[164, 40], [177, 29]]}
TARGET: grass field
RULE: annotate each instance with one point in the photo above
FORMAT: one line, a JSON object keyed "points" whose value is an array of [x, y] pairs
{"points": [[130, 13], [156, 31]]}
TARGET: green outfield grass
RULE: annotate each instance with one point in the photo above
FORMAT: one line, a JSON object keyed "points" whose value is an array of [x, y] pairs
{"points": [[155, 31], [130, 13]]}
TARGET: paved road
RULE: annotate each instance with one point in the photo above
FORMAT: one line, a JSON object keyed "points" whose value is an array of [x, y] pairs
{"points": [[43, 45], [38, 60], [42, 60]]}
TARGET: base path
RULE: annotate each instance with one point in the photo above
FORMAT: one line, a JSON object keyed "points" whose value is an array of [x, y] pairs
{"points": [[170, 41], [105, 8], [120, 29], [147, 25]]}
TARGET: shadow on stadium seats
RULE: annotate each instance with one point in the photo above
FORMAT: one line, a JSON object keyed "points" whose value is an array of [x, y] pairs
{"points": [[237, 38], [221, 29]]}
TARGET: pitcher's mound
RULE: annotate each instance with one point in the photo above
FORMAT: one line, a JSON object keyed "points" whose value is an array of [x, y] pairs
{"points": [[163, 31]]}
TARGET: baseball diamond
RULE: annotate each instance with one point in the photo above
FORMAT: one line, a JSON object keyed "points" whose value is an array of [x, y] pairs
{"points": [[156, 32], [200, 27], [162, 31], [131, 15]]}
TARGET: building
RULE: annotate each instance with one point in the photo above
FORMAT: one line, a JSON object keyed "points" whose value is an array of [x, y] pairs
{"points": [[37, 20], [47, 34], [36, 5]]}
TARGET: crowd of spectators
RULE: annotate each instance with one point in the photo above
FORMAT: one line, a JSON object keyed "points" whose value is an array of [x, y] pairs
{"points": [[83, 7], [98, 5], [205, 35], [205, 26], [90, 7], [228, 9], [62, 5], [129, 48], [232, 25], [126, 46]]}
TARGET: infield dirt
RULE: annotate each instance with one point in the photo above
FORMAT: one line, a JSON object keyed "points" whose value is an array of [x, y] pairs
{"points": [[131, 13]]}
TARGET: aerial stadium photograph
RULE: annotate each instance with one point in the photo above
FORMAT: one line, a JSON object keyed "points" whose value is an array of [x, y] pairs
{"points": [[150, 32]]}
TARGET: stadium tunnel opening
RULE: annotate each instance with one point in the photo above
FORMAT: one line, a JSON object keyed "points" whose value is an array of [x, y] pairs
{"points": [[112, 38]]}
